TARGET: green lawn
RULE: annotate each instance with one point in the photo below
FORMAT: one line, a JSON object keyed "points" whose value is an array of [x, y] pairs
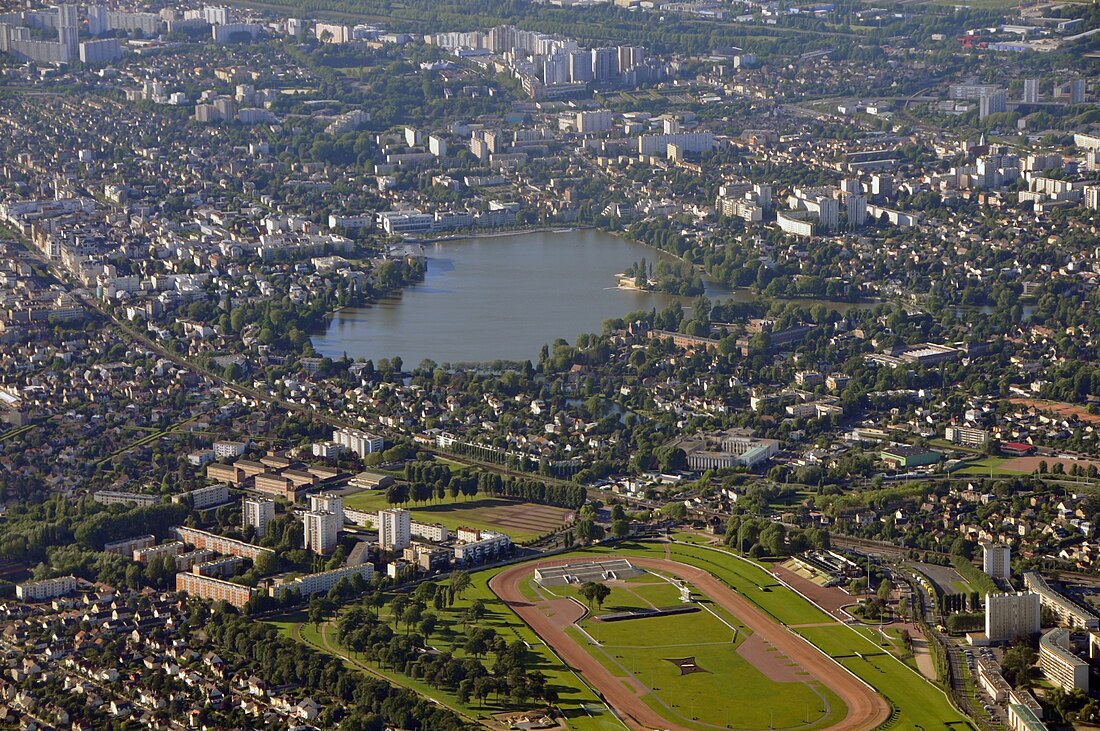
{"points": [[695, 538], [522, 521], [919, 703], [726, 691], [987, 466], [647, 591]]}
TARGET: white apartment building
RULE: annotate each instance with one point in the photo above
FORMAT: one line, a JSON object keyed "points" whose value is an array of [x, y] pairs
{"points": [[792, 223], [205, 497], [228, 449], [997, 560], [327, 450], [1058, 662], [358, 441], [480, 545], [320, 531], [257, 512], [320, 583], [1008, 616], [966, 436], [394, 529], [434, 532], [590, 122], [151, 553], [1068, 612], [325, 502], [36, 591]]}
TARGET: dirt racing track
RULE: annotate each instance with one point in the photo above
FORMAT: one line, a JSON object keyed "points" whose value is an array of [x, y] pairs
{"points": [[866, 709]]}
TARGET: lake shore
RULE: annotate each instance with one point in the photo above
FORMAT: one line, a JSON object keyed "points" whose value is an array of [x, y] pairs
{"points": [[499, 234]]}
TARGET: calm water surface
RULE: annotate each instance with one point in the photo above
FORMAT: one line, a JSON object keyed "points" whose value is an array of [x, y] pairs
{"points": [[498, 298]]}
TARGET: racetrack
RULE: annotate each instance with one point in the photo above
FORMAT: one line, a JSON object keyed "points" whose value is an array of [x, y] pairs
{"points": [[866, 709]]}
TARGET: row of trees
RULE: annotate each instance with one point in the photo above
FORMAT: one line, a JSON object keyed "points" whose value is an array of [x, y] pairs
{"points": [[535, 491], [952, 603]]}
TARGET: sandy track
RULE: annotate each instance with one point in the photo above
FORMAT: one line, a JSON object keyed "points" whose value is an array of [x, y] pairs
{"points": [[866, 709]]}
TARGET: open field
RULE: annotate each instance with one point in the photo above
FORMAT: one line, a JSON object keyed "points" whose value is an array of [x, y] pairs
{"points": [[731, 667], [1021, 465], [522, 521], [734, 663], [917, 701], [985, 467]]}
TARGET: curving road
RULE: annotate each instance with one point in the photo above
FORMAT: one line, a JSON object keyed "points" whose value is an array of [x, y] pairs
{"points": [[866, 709]]}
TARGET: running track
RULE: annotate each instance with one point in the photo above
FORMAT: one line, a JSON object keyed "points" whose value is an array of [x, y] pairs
{"points": [[866, 709]]}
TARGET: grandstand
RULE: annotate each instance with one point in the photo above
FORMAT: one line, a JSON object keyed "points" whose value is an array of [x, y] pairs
{"points": [[578, 573], [825, 568]]}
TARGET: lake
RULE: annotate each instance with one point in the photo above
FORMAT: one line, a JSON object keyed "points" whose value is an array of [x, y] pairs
{"points": [[499, 297], [504, 297]]}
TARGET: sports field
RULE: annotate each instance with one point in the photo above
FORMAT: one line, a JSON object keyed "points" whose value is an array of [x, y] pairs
{"points": [[918, 703], [521, 521], [700, 669], [711, 668]]}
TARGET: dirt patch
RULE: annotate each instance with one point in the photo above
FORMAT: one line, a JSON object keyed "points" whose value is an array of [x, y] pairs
{"points": [[526, 517], [1031, 464], [767, 660], [1057, 407], [687, 665]]}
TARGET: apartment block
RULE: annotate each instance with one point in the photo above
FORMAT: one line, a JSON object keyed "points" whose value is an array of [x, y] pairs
{"points": [[1008, 616], [322, 582], [37, 591], [966, 436], [207, 587], [997, 560], [205, 497], [358, 441], [257, 512], [152, 553], [327, 502], [1069, 612], [127, 546], [229, 450], [320, 531], [394, 529], [1059, 663], [217, 544]]}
